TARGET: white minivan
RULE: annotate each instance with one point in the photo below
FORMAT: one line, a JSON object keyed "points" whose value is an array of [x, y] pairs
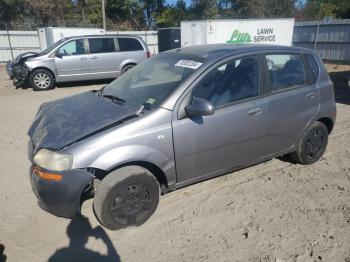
{"points": [[78, 58]]}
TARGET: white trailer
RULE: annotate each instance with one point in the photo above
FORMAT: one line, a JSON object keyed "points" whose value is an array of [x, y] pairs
{"points": [[50, 35], [277, 31]]}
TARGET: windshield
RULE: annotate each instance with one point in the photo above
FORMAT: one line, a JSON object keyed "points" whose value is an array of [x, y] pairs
{"points": [[52, 47], [151, 82]]}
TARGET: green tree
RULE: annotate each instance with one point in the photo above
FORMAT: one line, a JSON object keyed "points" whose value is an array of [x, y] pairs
{"points": [[318, 9], [125, 13], [172, 15], [266, 8], [204, 9]]}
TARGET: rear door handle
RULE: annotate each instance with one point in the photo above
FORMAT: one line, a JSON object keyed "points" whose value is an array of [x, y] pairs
{"points": [[310, 95], [83, 58], [94, 57], [255, 112]]}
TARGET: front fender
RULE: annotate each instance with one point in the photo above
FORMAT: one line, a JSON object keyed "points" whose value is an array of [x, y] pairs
{"points": [[137, 153], [48, 63]]}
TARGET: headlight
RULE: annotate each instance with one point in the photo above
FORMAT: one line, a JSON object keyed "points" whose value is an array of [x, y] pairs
{"points": [[53, 160]]}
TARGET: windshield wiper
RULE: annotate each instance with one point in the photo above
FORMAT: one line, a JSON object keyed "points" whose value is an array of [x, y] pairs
{"points": [[140, 111], [100, 92], [114, 98]]}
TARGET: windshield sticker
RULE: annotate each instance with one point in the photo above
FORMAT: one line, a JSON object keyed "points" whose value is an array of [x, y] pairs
{"points": [[150, 101], [188, 64]]}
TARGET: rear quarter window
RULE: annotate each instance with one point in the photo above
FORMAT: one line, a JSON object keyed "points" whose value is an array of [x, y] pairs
{"points": [[129, 44], [313, 66]]}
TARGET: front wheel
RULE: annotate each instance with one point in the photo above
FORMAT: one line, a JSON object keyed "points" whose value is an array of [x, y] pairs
{"points": [[312, 144], [126, 197], [41, 80]]}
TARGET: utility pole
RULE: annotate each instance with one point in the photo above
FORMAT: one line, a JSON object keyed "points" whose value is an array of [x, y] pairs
{"points": [[104, 15]]}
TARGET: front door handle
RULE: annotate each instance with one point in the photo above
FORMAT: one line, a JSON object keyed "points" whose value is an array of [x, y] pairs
{"points": [[310, 95], [255, 112], [94, 57], [83, 58]]}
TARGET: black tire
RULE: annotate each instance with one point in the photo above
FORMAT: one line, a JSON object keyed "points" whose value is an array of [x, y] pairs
{"points": [[126, 197], [47, 83], [127, 67], [312, 144]]}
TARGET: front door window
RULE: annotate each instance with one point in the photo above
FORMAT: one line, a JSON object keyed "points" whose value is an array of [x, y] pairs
{"points": [[74, 47], [230, 82]]}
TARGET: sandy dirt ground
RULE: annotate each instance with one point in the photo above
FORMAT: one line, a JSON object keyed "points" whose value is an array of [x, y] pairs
{"points": [[274, 211]]}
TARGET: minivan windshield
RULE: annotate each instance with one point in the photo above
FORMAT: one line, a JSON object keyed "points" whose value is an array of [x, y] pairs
{"points": [[151, 82], [52, 47]]}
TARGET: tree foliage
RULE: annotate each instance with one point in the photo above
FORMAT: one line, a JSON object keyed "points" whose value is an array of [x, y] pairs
{"points": [[315, 10]]}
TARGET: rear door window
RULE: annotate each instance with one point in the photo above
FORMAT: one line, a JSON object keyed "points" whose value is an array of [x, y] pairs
{"points": [[285, 71], [129, 44], [101, 45]]}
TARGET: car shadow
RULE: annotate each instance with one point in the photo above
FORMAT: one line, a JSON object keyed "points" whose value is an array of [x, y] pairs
{"points": [[79, 230], [341, 88], [2, 254], [84, 83]]}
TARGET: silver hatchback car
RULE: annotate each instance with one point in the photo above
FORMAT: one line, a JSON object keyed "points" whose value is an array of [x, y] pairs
{"points": [[76, 59], [181, 117]]}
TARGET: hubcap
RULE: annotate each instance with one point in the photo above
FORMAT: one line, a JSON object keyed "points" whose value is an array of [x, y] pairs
{"points": [[314, 143], [131, 204], [41, 80]]}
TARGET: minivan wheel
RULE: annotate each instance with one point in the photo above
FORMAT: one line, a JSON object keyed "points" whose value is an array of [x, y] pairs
{"points": [[127, 67], [41, 80], [312, 145], [126, 197]]}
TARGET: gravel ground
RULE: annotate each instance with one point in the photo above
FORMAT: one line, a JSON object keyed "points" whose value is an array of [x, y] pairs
{"points": [[274, 211]]}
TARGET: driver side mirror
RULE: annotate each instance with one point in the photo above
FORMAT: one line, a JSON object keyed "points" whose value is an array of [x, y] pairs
{"points": [[199, 107], [59, 53]]}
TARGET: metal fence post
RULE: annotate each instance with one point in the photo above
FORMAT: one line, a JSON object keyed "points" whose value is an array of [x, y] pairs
{"points": [[146, 37], [9, 39], [316, 36]]}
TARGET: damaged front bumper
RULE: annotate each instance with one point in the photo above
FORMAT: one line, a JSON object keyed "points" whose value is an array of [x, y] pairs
{"points": [[61, 197], [20, 74], [9, 71]]}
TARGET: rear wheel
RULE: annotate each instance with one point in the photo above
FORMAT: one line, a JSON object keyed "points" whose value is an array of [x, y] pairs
{"points": [[127, 67], [312, 145], [41, 80], [126, 197]]}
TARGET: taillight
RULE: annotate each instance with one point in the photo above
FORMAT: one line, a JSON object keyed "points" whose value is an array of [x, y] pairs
{"points": [[148, 54]]}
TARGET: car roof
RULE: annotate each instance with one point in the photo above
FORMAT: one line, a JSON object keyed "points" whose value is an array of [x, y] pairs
{"points": [[212, 51], [102, 36]]}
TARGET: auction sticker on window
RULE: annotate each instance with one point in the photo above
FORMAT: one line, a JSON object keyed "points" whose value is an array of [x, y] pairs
{"points": [[188, 64]]}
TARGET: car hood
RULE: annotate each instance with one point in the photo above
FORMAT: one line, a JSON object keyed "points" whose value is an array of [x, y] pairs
{"points": [[63, 122], [23, 57]]}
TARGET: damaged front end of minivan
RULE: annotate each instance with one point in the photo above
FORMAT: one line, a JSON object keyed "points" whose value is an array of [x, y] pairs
{"points": [[18, 70]]}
